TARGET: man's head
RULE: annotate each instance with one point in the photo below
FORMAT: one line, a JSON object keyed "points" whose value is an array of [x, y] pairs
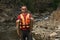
{"points": [[24, 9]]}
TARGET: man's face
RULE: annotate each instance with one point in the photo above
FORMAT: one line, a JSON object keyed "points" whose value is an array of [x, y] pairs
{"points": [[23, 9]]}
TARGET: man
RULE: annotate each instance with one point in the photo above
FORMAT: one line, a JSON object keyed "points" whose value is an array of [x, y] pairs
{"points": [[24, 24]]}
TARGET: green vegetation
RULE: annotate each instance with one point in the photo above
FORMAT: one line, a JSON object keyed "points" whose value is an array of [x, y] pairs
{"points": [[33, 5]]}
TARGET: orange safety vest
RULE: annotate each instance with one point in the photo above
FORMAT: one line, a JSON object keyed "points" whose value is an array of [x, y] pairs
{"points": [[25, 21]]}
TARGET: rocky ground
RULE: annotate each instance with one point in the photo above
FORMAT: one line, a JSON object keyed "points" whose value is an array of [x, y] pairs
{"points": [[49, 28]]}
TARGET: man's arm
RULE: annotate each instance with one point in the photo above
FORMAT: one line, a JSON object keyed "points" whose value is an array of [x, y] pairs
{"points": [[32, 21], [17, 26]]}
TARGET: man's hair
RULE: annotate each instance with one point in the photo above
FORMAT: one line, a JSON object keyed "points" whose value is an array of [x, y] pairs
{"points": [[23, 6]]}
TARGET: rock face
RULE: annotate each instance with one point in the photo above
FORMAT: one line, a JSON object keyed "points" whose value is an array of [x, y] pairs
{"points": [[7, 24]]}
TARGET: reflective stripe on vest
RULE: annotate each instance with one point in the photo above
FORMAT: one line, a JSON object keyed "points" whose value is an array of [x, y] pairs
{"points": [[26, 20]]}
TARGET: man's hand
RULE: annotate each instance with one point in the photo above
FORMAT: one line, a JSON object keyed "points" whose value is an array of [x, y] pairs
{"points": [[18, 33]]}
